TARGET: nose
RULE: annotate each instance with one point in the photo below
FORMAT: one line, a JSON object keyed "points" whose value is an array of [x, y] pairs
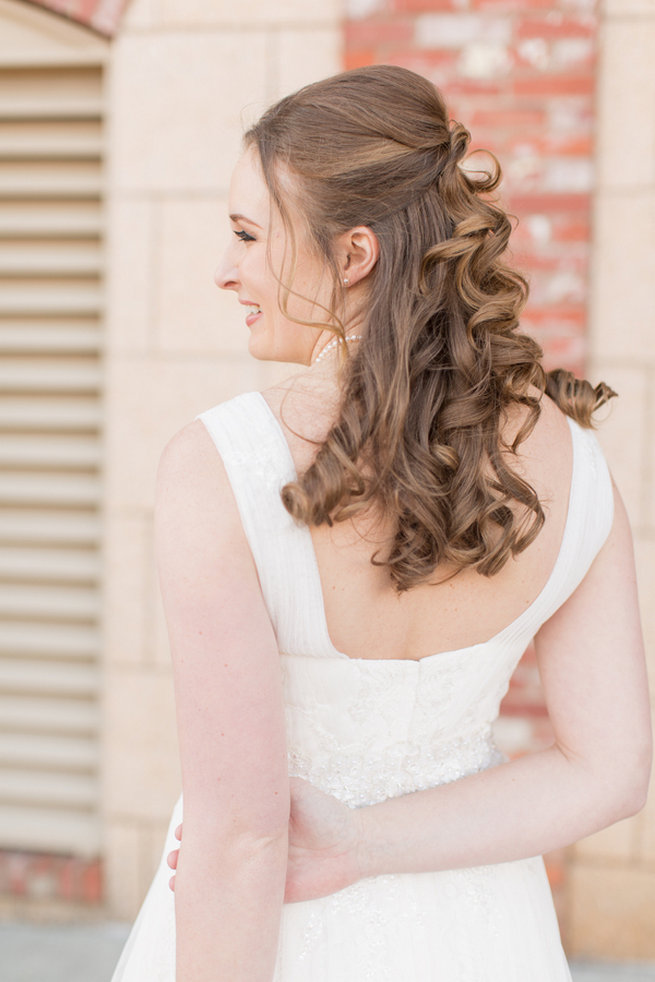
{"points": [[226, 275]]}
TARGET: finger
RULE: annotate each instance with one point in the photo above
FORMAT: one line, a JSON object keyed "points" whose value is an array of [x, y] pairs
{"points": [[178, 833], [171, 883], [172, 858]]}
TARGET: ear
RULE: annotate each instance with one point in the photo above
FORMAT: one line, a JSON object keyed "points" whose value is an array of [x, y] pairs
{"points": [[357, 252]]}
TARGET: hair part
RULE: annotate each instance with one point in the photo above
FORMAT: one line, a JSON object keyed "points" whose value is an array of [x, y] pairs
{"points": [[442, 360]]}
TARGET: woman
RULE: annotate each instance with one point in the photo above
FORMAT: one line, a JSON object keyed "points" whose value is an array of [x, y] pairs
{"points": [[350, 581]]}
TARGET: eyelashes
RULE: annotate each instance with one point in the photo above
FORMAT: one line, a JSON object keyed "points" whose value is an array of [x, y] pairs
{"points": [[244, 236]]}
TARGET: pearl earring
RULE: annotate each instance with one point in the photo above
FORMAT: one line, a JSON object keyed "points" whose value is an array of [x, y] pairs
{"points": [[346, 281]]}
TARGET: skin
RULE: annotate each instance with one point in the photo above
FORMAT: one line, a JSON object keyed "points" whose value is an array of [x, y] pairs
{"points": [[251, 833]]}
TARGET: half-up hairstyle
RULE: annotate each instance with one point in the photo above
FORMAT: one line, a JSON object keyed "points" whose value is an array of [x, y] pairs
{"points": [[425, 395]]}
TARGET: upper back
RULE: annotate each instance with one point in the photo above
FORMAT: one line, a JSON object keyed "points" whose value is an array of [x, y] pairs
{"points": [[364, 614]]}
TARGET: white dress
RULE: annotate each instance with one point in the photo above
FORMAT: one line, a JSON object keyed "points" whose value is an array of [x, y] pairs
{"points": [[365, 730]]}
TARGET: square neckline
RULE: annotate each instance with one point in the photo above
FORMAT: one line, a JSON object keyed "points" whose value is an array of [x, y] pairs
{"points": [[499, 637]]}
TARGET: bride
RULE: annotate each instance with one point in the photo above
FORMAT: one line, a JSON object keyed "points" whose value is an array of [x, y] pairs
{"points": [[350, 581]]}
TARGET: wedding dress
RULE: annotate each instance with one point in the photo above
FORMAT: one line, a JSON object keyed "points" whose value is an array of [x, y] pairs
{"points": [[365, 730]]}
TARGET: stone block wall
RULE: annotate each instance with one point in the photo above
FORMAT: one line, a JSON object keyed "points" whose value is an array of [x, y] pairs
{"points": [[612, 876], [185, 76], [102, 16]]}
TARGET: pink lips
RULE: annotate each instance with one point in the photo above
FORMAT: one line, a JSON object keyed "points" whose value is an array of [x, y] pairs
{"points": [[252, 317]]}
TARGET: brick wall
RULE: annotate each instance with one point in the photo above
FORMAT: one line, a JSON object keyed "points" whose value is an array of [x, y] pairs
{"points": [[45, 878], [520, 74], [100, 15]]}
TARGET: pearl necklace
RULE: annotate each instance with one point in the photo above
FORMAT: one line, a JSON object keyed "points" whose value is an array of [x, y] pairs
{"points": [[332, 344]]}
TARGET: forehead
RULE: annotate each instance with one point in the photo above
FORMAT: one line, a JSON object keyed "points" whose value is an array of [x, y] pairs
{"points": [[248, 192]]}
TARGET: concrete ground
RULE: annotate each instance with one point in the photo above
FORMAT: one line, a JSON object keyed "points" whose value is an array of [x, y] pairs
{"points": [[89, 952]]}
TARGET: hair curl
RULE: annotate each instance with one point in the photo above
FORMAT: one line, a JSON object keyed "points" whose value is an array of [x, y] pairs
{"points": [[443, 359]]}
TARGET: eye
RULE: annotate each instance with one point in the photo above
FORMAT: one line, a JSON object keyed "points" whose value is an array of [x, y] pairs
{"points": [[244, 236]]}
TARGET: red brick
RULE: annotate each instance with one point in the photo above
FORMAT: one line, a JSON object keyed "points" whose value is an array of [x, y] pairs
{"points": [[369, 33], [510, 6], [92, 883], [516, 120], [554, 85], [426, 6], [555, 26], [525, 204], [475, 86], [359, 58]]}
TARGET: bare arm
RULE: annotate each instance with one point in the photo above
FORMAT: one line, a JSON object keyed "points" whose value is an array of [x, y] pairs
{"points": [[232, 865], [592, 666]]}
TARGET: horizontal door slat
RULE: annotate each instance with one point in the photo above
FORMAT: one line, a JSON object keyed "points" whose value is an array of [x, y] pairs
{"points": [[36, 677], [50, 179], [46, 451], [58, 565], [56, 752], [48, 641], [71, 603], [41, 787], [61, 412], [43, 337], [59, 107], [50, 489], [51, 219], [29, 258], [44, 829], [31, 714], [56, 298], [47, 375]]}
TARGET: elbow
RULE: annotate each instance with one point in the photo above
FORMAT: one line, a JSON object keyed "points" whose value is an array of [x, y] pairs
{"points": [[633, 782]]}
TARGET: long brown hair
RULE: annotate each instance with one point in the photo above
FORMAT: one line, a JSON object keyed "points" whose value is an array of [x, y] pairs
{"points": [[443, 359]]}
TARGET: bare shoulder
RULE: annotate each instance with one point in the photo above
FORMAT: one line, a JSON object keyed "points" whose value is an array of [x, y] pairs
{"points": [[545, 457], [195, 509]]}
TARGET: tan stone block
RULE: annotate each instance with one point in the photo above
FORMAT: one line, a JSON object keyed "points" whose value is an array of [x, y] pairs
{"points": [[149, 401], [255, 13], [193, 314], [303, 56], [121, 858], [127, 551], [129, 274], [37, 37], [622, 313], [154, 843], [615, 843], [138, 14], [622, 433], [649, 487], [611, 912], [625, 138], [141, 774], [646, 839], [629, 8], [176, 102], [645, 562]]}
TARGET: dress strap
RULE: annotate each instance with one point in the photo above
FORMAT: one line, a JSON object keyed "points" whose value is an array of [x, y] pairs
{"points": [[588, 524], [258, 464]]}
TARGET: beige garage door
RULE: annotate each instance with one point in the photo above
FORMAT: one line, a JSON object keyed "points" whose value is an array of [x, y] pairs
{"points": [[51, 261]]}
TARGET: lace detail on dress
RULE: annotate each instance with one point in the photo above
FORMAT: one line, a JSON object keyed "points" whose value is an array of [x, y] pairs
{"points": [[369, 775]]}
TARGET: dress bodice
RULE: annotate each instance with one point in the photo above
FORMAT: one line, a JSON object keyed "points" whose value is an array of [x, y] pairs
{"points": [[368, 729]]}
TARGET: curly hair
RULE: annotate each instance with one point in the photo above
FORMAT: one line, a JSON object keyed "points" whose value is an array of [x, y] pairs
{"points": [[442, 360]]}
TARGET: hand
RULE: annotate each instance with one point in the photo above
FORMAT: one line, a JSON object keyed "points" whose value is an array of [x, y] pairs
{"points": [[173, 857], [324, 837]]}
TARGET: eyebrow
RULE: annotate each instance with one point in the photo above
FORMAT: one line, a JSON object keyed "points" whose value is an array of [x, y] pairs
{"points": [[243, 218]]}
